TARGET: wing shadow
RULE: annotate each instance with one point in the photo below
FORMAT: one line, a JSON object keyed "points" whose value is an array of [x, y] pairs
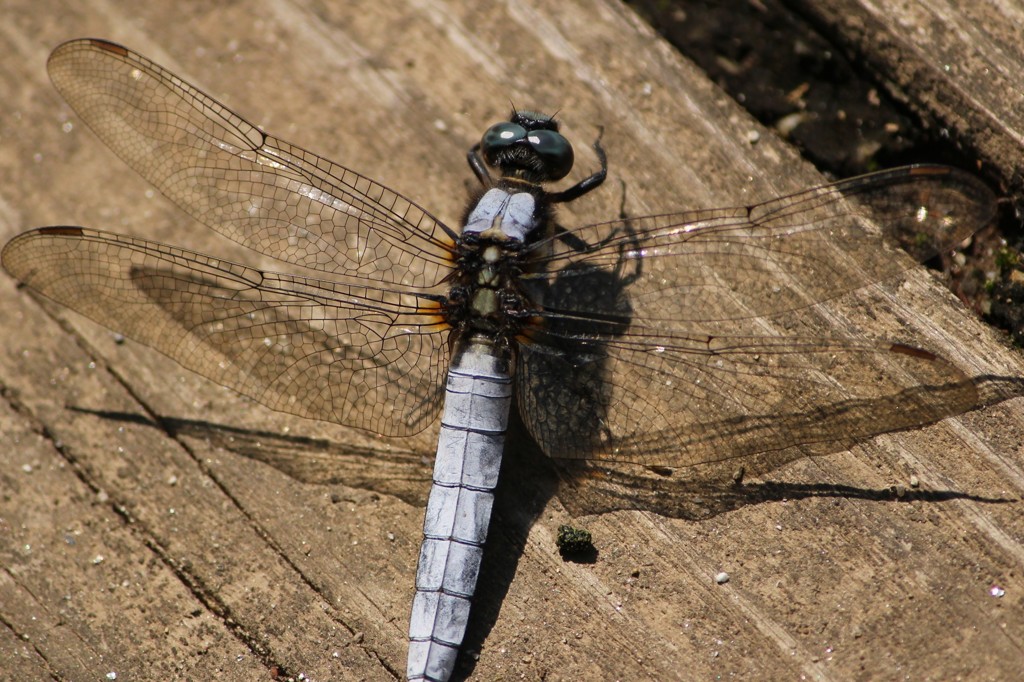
{"points": [[402, 473]]}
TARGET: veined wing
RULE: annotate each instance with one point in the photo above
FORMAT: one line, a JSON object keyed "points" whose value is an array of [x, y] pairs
{"points": [[721, 265], [662, 340], [365, 356], [682, 401], [264, 193]]}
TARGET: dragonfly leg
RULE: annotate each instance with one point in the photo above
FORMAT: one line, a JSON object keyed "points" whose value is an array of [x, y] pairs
{"points": [[476, 162]]}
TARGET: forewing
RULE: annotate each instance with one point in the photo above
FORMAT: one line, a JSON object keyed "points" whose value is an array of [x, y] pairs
{"points": [[264, 193], [367, 357], [719, 265], [661, 342]]}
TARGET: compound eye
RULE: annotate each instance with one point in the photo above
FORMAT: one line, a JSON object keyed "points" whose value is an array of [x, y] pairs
{"points": [[554, 150], [500, 137]]}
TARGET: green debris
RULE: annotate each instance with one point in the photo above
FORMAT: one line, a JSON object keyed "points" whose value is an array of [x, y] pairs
{"points": [[574, 542]]}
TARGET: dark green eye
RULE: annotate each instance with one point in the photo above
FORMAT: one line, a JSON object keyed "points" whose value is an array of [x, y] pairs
{"points": [[499, 137], [555, 151]]}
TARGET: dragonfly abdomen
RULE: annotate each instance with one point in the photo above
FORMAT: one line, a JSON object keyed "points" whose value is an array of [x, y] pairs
{"points": [[477, 404]]}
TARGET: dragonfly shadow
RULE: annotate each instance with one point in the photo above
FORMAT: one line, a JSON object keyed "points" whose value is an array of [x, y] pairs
{"points": [[583, 487], [574, 483], [403, 473], [406, 475], [712, 488]]}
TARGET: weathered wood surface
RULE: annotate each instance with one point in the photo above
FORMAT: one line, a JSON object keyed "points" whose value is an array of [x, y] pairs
{"points": [[158, 552]]}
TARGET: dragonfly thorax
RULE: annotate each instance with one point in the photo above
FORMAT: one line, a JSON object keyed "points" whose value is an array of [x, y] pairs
{"points": [[503, 214], [487, 300], [491, 252]]}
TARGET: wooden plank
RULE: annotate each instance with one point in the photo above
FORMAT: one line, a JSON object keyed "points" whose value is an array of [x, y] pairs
{"points": [[254, 573], [82, 589], [955, 64]]}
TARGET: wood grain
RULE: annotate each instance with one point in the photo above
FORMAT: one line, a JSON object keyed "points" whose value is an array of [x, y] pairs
{"points": [[137, 540]]}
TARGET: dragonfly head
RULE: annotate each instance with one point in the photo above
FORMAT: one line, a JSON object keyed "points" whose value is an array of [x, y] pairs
{"points": [[528, 146]]}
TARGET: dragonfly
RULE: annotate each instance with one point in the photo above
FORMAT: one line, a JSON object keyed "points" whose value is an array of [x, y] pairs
{"points": [[659, 341]]}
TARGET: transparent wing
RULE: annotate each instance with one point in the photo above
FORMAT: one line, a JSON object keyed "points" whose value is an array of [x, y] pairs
{"points": [[264, 193], [363, 356], [721, 265], [663, 340]]}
